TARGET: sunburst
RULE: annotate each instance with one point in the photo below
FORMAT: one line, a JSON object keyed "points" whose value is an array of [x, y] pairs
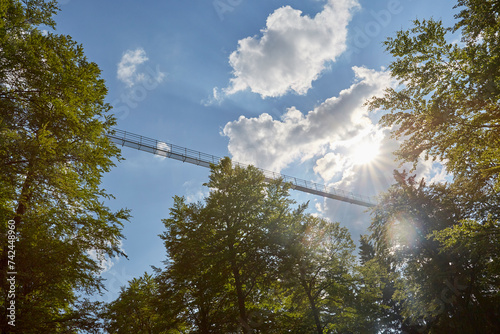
{"points": [[365, 152]]}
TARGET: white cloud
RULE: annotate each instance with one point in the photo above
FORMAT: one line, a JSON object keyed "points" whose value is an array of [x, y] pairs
{"points": [[195, 193], [103, 260], [365, 179], [293, 50], [128, 71], [374, 180], [330, 165], [162, 150], [379, 173], [274, 144], [432, 171], [350, 155], [216, 98], [127, 67]]}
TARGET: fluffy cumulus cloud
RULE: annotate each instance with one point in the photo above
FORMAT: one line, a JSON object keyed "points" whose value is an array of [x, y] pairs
{"points": [[293, 50], [274, 144], [128, 68], [330, 165]]}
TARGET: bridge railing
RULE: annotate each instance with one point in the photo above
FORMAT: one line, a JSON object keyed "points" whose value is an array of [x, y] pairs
{"points": [[184, 154]]}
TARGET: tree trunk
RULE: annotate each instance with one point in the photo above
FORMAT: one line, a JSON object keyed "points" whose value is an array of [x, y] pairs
{"points": [[312, 304], [20, 211], [239, 293]]}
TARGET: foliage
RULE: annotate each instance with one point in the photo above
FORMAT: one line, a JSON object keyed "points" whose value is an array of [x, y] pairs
{"points": [[444, 265], [137, 309], [319, 269], [378, 311], [246, 260], [441, 241], [448, 107], [54, 150], [219, 253], [199, 293]]}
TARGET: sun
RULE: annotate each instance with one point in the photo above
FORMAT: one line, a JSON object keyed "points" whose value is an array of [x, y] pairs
{"points": [[365, 152]]}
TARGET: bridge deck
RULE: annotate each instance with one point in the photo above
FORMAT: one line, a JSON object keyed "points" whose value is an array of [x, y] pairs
{"points": [[202, 159]]}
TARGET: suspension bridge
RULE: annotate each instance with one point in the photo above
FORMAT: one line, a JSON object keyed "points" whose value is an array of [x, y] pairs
{"points": [[184, 154]]}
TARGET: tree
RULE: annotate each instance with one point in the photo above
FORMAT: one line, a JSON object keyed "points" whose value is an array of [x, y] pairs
{"points": [[378, 311], [442, 238], [448, 107], [442, 282], [224, 254], [138, 310], [194, 271], [318, 268], [246, 260], [54, 150]]}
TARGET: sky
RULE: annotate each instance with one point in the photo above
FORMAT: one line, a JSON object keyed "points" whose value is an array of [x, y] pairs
{"points": [[277, 84]]}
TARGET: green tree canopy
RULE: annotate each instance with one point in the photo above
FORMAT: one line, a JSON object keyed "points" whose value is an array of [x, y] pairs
{"points": [[54, 151], [448, 106], [444, 262], [247, 260], [138, 309], [222, 253], [441, 240]]}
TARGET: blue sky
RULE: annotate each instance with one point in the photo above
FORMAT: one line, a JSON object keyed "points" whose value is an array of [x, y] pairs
{"points": [[279, 84]]}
